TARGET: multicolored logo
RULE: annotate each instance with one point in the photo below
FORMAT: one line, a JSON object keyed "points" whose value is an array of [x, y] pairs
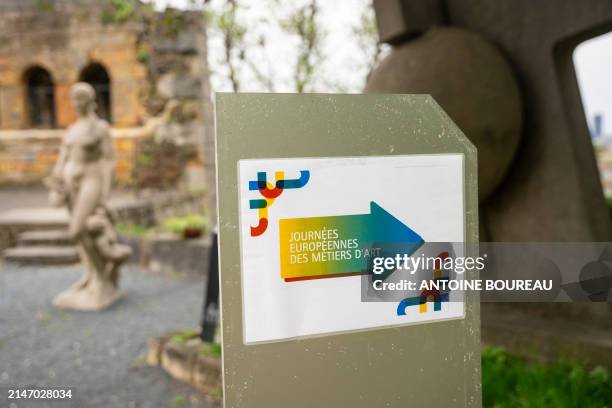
{"points": [[269, 193], [434, 296]]}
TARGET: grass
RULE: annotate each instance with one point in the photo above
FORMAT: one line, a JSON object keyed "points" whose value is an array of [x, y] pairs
{"points": [[510, 382]]}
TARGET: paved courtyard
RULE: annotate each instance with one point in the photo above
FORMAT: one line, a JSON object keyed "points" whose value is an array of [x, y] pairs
{"points": [[100, 356]]}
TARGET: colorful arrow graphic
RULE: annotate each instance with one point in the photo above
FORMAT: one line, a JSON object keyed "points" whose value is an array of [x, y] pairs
{"points": [[335, 246]]}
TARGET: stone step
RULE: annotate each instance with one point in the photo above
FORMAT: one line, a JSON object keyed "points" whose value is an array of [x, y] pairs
{"points": [[44, 238], [18, 220], [47, 255], [26, 219]]}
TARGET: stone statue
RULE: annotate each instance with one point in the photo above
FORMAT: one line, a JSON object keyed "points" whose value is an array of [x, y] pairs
{"points": [[81, 181]]}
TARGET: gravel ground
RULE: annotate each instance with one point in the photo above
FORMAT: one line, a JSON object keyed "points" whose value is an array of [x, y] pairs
{"points": [[100, 356]]}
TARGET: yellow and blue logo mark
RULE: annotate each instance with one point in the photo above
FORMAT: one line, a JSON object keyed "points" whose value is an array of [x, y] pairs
{"points": [[270, 192], [434, 295]]}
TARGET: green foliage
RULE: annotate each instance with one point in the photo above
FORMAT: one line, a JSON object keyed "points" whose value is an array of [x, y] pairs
{"points": [[246, 44], [207, 349], [366, 36], [119, 11], [232, 31], [185, 336], [143, 55], [44, 5], [160, 165], [188, 226], [173, 22], [303, 23], [211, 349], [135, 230], [227, 21], [217, 392], [510, 382]]}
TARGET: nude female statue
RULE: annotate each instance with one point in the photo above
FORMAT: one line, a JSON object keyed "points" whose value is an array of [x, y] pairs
{"points": [[81, 180]]}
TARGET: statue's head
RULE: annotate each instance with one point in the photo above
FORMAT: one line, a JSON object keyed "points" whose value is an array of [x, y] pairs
{"points": [[83, 97]]}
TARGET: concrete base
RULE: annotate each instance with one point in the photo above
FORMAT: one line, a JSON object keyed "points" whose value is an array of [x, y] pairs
{"points": [[93, 295], [169, 255], [185, 360]]}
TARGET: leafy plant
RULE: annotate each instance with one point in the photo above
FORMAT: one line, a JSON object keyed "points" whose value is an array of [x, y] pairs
{"points": [[510, 382], [189, 226], [232, 31], [160, 165], [303, 24], [119, 11], [44, 5], [366, 36], [173, 22], [143, 54], [211, 349], [217, 392], [185, 336], [135, 230]]}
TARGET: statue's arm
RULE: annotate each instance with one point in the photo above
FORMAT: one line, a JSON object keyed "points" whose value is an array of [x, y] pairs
{"points": [[55, 182], [56, 173]]}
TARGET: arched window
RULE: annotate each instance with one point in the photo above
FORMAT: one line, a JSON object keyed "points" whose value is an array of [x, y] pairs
{"points": [[96, 75], [40, 98]]}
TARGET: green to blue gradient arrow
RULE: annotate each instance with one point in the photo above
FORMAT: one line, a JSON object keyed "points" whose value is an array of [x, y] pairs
{"points": [[334, 246]]}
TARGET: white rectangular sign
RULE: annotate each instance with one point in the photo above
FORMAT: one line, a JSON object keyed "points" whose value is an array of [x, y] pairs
{"points": [[304, 226]]}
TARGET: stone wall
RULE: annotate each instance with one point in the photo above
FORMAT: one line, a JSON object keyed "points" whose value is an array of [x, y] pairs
{"points": [[28, 156], [64, 38], [153, 69]]}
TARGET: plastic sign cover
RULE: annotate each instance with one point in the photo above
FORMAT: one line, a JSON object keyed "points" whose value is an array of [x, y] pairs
{"points": [[307, 228]]}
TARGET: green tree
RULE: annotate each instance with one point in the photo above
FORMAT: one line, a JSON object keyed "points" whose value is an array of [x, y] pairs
{"points": [[225, 20], [303, 24], [366, 35]]}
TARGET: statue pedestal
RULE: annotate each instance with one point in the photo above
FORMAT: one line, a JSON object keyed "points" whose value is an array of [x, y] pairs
{"points": [[91, 295]]}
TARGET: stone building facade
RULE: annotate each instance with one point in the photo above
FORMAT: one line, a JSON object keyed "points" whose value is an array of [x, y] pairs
{"points": [[48, 45]]}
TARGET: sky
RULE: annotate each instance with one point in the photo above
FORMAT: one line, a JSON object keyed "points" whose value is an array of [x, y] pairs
{"points": [[593, 62], [343, 66]]}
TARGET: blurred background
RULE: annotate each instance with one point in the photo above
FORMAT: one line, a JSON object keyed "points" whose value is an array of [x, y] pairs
{"points": [[531, 86]]}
